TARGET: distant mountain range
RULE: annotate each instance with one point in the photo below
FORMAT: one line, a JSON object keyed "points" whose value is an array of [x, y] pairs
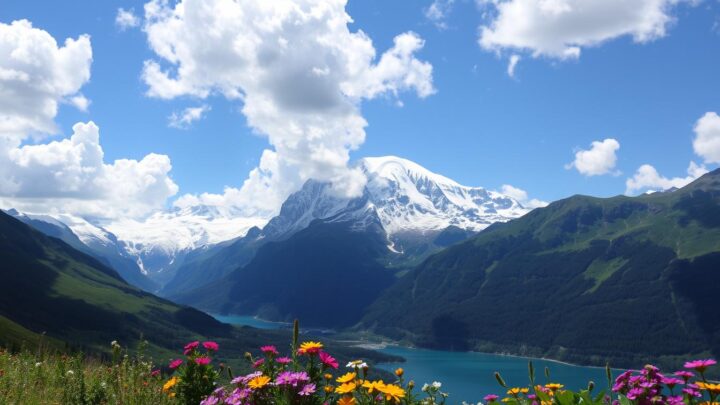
{"points": [[630, 279]]}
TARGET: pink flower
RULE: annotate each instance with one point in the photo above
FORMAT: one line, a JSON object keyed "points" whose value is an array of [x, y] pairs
{"points": [[175, 364], [284, 360], [671, 382], [700, 365], [156, 373], [270, 350], [328, 360], [685, 375], [258, 363], [307, 390], [490, 398], [202, 361], [190, 347], [211, 346]]}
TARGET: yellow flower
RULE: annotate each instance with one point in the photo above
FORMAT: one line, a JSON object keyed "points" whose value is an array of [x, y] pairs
{"points": [[553, 386], [713, 388], [373, 386], [328, 376], [346, 388], [258, 382], [506, 399], [346, 378], [170, 383], [516, 391], [346, 401], [392, 392], [328, 388], [310, 347], [399, 372]]}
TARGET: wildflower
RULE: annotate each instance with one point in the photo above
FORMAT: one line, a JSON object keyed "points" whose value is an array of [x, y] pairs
{"points": [[328, 376], [671, 382], [329, 388], [692, 390], [190, 347], [436, 385], [175, 364], [356, 364], [155, 373], [675, 400], [269, 350], [284, 360], [373, 386], [393, 392], [38, 364], [490, 398], [292, 378], [516, 391], [700, 365], [346, 378], [258, 363], [202, 361], [309, 389], [170, 383], [399, 372], [346, 388], [553, 386], [346, 400], [259, 382], [211, 346], [70, 373], [712, 388], [310, 348], [328, 360], [685, 375]]}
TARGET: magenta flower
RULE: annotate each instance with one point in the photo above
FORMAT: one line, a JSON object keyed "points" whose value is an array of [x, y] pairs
{"points": [[685, 375], [692, 390], [292, 378], [175, 364], [270, 350], [309, 389], [328, 360], [190, 347], [671, 382], [284, 360], [202, 360], [490, 398], [258, 363], [700, 365], [156, 372], [211, 346]]}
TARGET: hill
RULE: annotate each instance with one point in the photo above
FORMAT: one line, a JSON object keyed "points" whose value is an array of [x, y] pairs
{"points": [[625, 279]]}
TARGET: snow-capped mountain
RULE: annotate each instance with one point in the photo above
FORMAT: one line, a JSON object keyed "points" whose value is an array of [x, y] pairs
{"points": [[405, 196]]}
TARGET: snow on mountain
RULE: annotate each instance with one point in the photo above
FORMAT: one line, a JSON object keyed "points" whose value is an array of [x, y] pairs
{"points": [[161, 241], [406, 197]]}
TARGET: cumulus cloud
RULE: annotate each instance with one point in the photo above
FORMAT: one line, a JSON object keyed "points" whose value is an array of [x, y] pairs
{"points": [[67, 175], [599, 159], [298, 71], [437, 12], [521, 196], [185, 118], [560, 29], [125, 19], [707, 137], [647, 178], [35, 76]]}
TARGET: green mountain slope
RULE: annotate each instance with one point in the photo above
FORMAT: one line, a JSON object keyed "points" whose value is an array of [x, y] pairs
{"points": [[584, 279]]}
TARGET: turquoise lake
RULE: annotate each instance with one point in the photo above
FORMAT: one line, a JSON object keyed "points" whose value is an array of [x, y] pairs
{"points": [[466, 376]]}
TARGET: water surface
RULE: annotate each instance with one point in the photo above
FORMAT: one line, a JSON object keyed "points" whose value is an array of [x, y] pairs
{"points": [[246, 320]]}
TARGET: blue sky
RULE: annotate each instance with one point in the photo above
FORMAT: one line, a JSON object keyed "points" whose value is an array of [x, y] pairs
{"points": [[482, 127]]}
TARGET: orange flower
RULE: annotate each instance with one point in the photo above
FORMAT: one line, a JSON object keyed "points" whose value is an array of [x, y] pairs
{"points": [[259, 382], [347, 400], [399, 372]]}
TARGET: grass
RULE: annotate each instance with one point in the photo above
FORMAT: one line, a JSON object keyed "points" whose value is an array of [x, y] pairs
{"points": [[44, 376]]}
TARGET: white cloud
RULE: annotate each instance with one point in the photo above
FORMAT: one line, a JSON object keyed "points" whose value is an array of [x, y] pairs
{"points": [[71, 176], [707, 138], [67, 175], [35, 76], [185, 118], [599, 159], [125, 19], [437, 12], [648, 178], [299, 72], [522, 197], [560, 29], [512, 64]]}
